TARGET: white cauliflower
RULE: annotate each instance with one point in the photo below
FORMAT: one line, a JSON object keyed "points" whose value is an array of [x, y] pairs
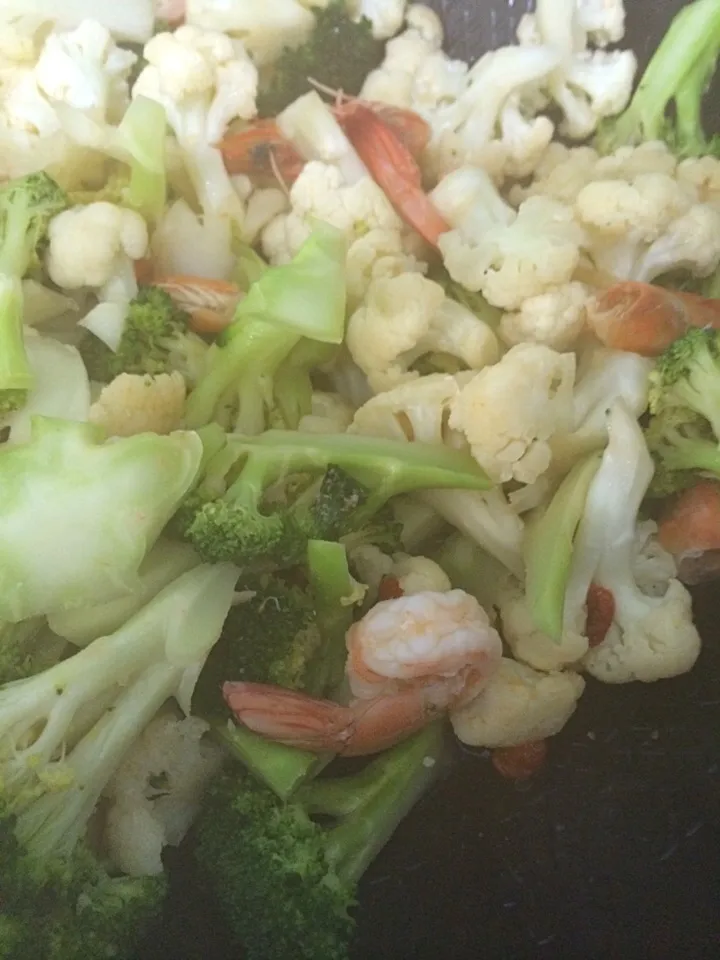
{"points": [[197, 245], [415, 574], [518, 705], [204, 80], [406, 317], [329, 413], [377, 255], [531, 645], [94, 246], [156, 792], [507, 255], [418, 411], [132, 403], [415, 410], [264, 28], [129, 21], [85, 69], [703, 173], [652, 635], [587, 85], [556, 318], [644, 227], [509, 411], [386, 16]]}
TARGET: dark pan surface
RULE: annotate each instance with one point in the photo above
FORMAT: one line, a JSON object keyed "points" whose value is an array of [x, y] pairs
{"points": [[612, 853]]}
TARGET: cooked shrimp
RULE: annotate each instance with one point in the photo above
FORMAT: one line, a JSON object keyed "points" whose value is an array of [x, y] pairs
{"points": [[690, 531], [170, 11], [262, 152], [394, 169], [210, 303], [520, 762], [409, 659], [645, 319]]}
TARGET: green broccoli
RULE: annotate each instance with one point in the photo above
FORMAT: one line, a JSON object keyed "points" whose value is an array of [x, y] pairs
{"points": [[236, 519], [687, 376], [286, 881], [79, 514], [27, 205], [340, 53], [682, 445], [304, 298], [678, 74], [63, 734], [155, 338]]}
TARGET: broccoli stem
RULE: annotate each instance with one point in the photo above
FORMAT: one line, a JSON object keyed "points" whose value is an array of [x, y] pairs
{"points": [[282, 769], [16, 377], [373, 802], [679, 70], [332, 588], [548, 548], [142, 134], [293, 386], [683, 453], [258, 346]]}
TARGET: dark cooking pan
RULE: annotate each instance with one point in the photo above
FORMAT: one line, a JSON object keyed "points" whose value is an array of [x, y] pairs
{"points": [[613, 851]]}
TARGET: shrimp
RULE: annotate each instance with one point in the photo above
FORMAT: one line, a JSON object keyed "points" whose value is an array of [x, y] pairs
{"points": [[171, 12], [409, 659], [690, 531], [394, 169], [210, 303], [645, 319], [262, 152]]}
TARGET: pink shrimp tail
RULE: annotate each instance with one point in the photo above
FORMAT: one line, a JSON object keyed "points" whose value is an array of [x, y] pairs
{"points": [[289, 717], [646, 319], [322, 726], [394, 169]]}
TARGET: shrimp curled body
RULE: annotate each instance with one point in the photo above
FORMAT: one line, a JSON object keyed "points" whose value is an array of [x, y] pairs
{"points": [[410, 659]]}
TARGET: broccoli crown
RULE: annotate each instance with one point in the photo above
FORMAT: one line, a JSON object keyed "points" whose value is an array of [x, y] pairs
{"points": [[286, 873], [339, 54], [687, 375], [272, 637], [27, 205], [85, 912], [155, 339], [224, 531], [267, 865], [682, 446]]}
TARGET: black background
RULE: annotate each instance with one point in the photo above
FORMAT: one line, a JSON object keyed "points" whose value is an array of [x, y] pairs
{"points": [[612, 852]]}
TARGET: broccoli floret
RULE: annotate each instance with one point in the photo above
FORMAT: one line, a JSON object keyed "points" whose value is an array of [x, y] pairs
{"points": [[340, 53], [63, 734], [287, 882], [155, 339], [678, 74], [27, 204], [687, 376], [683, 446], [304, 298], [236, 522]]}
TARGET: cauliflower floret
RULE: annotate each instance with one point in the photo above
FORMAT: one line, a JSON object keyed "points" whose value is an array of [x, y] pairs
{"points": [[664, 643], [86, 70], [94, 246], [556, 318], [406, 317], [652, 565], [703, 173], [376, 255], [531, 645], [560, 175], [329, 413], [415, 574], [133, 403], [518, 705], [416, 410], [587, 85], [602, 20], [203, 80], [156, 792], [644, 227], [265, 28], [507, 255], [509, 411], [386, 16]]}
